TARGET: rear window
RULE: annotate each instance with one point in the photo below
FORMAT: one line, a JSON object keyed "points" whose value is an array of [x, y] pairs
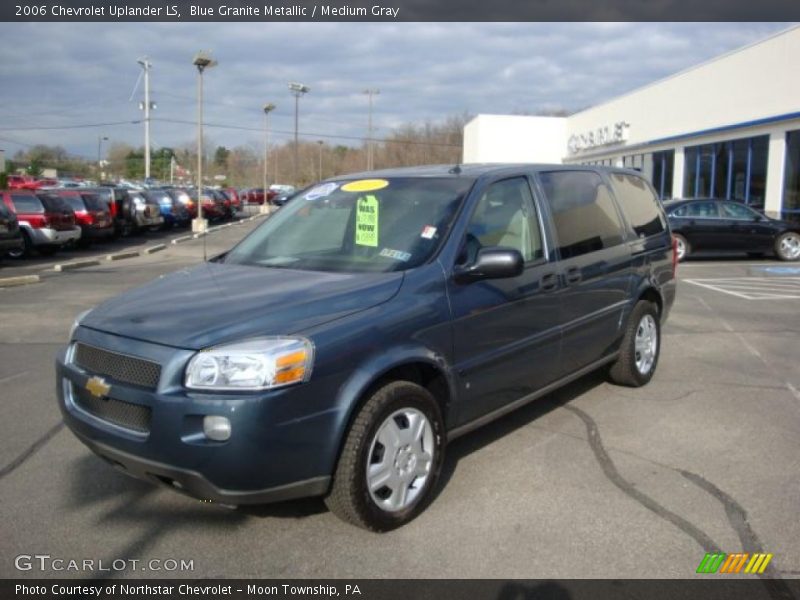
{"points": [[76, 202], [24, 203], [95, 202], [584, 213], [639, 204], [160, 197], [54, 203]]}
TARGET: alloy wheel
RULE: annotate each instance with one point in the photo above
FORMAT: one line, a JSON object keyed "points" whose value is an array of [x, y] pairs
{"points": [[646, 344]]}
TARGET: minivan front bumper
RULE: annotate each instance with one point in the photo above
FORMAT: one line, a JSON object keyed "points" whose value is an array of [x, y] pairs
{"points": [[283, 443]]}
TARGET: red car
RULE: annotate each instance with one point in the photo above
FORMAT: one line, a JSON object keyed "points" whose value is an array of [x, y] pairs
{"points": [[23, 182], [256, 195], [236, 202], [92, 214], [46, 221]]}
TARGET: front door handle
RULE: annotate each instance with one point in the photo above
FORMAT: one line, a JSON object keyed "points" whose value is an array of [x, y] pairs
{"points": [[549, 282], [573, 275]]}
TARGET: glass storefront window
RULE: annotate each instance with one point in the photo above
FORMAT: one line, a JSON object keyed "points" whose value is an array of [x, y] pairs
{"points": [[658, 168], [791, 181], [734, 170]]}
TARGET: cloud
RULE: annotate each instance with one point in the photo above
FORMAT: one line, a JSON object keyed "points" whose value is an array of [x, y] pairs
{"points": [[71, 74]]}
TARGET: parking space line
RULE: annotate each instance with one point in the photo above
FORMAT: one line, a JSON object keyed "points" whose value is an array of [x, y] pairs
{"points": [[753, 288]]}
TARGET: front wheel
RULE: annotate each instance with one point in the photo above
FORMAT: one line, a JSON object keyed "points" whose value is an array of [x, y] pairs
{"points": [[787, 246], [641, 346], [391, 459]]}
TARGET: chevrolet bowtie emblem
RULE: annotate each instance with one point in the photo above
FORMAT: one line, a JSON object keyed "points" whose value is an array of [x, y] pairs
{"points": [[98, 387]]}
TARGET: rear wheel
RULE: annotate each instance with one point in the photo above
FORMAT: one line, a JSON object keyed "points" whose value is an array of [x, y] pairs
{"points": [[23, 250], [787, 246], [391, 459], [682, 246], [641, 346]]}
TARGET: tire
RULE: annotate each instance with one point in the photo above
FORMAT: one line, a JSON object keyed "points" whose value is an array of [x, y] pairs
{"points": [[683, 247], [47, 249], [639, 352], [25, 250], [390, 414], [787, 246]]}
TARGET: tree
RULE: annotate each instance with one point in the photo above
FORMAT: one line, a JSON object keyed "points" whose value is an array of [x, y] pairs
{"points": [[221, 155]]}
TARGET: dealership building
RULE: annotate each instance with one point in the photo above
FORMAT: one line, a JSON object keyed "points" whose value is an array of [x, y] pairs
{"points": [[727, 128]]}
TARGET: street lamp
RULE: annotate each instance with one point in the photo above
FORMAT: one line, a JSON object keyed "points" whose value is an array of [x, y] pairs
{"points": [[297, 90], [100, 140], [320, 142], [370, 159], [268, 108], [202, 61]]}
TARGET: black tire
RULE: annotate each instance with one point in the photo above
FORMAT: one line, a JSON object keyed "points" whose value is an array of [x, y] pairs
{"points": [[786, 246], [26, 248], [682, 242], [349, 497], [625, 370]]}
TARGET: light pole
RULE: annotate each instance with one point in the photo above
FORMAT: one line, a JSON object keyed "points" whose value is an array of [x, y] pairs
{"points": [[146, 106], [100, 140], [202, 61], [370, 161], [297, 89], [268, 108], [320, 142]]}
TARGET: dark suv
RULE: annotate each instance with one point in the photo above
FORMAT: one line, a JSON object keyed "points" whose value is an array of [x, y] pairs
{"points": [[367, 323]]}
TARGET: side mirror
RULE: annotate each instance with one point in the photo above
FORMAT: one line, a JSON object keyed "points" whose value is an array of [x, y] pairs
{"points": [[492, 263]]}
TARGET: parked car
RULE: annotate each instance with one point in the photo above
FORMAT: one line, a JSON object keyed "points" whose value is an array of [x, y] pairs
{"points": [[46, 221], [173, 211], [233, 195], [92, 214], [708, 224], [146, 212], [184, 198], [338, 347], [120, 206], [23, 182], [284, 197], [10, 233], [214, 205]]}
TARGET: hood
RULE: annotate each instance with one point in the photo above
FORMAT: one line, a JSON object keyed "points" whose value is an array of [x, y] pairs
{"points": [[215, 303]]}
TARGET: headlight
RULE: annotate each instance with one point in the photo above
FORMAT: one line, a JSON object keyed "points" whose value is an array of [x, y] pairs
{"points": [[258, 364], [77, 322]]}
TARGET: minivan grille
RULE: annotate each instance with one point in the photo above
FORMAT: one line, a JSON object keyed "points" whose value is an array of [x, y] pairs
{"points": [[121, 367], [124, 414]]}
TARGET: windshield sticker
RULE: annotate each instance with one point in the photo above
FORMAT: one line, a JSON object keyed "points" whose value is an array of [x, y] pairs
{"points": [[321, 191], [429, 232], [396, 254], [365, 185], [367, 221]]}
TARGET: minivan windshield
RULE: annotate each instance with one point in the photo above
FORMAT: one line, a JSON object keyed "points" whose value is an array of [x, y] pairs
{"points": [[375, 225]]}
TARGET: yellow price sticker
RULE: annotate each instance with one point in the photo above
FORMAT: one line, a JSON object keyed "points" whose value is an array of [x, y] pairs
{"points": [[365, 185], [367, 221]]}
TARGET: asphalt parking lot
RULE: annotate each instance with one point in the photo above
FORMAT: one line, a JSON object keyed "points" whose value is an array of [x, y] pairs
{"points": [[593, 481]]}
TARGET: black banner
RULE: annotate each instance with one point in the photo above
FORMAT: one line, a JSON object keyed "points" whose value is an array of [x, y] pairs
{"points": [[399, 10], [713, 588]]}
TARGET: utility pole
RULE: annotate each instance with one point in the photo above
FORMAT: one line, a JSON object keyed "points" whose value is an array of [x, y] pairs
{"points": [[268, 108], [297, 89], [370, 159], [320, 142], [202, 61], [147, 105]]}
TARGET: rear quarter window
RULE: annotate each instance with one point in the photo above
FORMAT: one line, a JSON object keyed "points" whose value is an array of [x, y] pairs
{"points": [[639, 204], [584, 213], [24, 203]]}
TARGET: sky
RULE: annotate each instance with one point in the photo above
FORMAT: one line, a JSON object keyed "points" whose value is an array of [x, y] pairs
{"points": [[82, 77]]}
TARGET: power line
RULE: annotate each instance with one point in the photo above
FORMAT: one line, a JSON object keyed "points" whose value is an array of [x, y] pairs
{"points": [[82, 126], [308, 133]]}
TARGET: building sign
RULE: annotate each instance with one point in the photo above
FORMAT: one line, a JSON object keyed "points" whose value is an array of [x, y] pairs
{"points": [[602, 136]]}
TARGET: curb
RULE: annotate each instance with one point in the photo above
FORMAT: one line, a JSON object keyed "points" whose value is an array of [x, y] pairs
{"points": [[156, 248], [18, 280], [183, 238], [77, 264], [198, 235], [121, 255]]}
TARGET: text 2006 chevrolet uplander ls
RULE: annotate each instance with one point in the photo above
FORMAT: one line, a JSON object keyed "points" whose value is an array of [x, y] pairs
{"points": [[337, 348]]}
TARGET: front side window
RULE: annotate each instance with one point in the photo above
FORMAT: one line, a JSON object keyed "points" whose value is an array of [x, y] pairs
{"points": [[505, 217], [584, 213], [376, 225], [639, 204], [738, 211]]}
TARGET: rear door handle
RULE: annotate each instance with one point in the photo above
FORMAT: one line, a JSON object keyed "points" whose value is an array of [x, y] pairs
{"points": [[573, 275], [549, 282]]}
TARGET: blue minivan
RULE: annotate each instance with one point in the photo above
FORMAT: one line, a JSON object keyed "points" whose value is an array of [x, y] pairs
{"points": [[338, 347]]}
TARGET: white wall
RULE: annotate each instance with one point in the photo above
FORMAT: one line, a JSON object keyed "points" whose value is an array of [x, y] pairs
{"points": [[509, 138]]}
